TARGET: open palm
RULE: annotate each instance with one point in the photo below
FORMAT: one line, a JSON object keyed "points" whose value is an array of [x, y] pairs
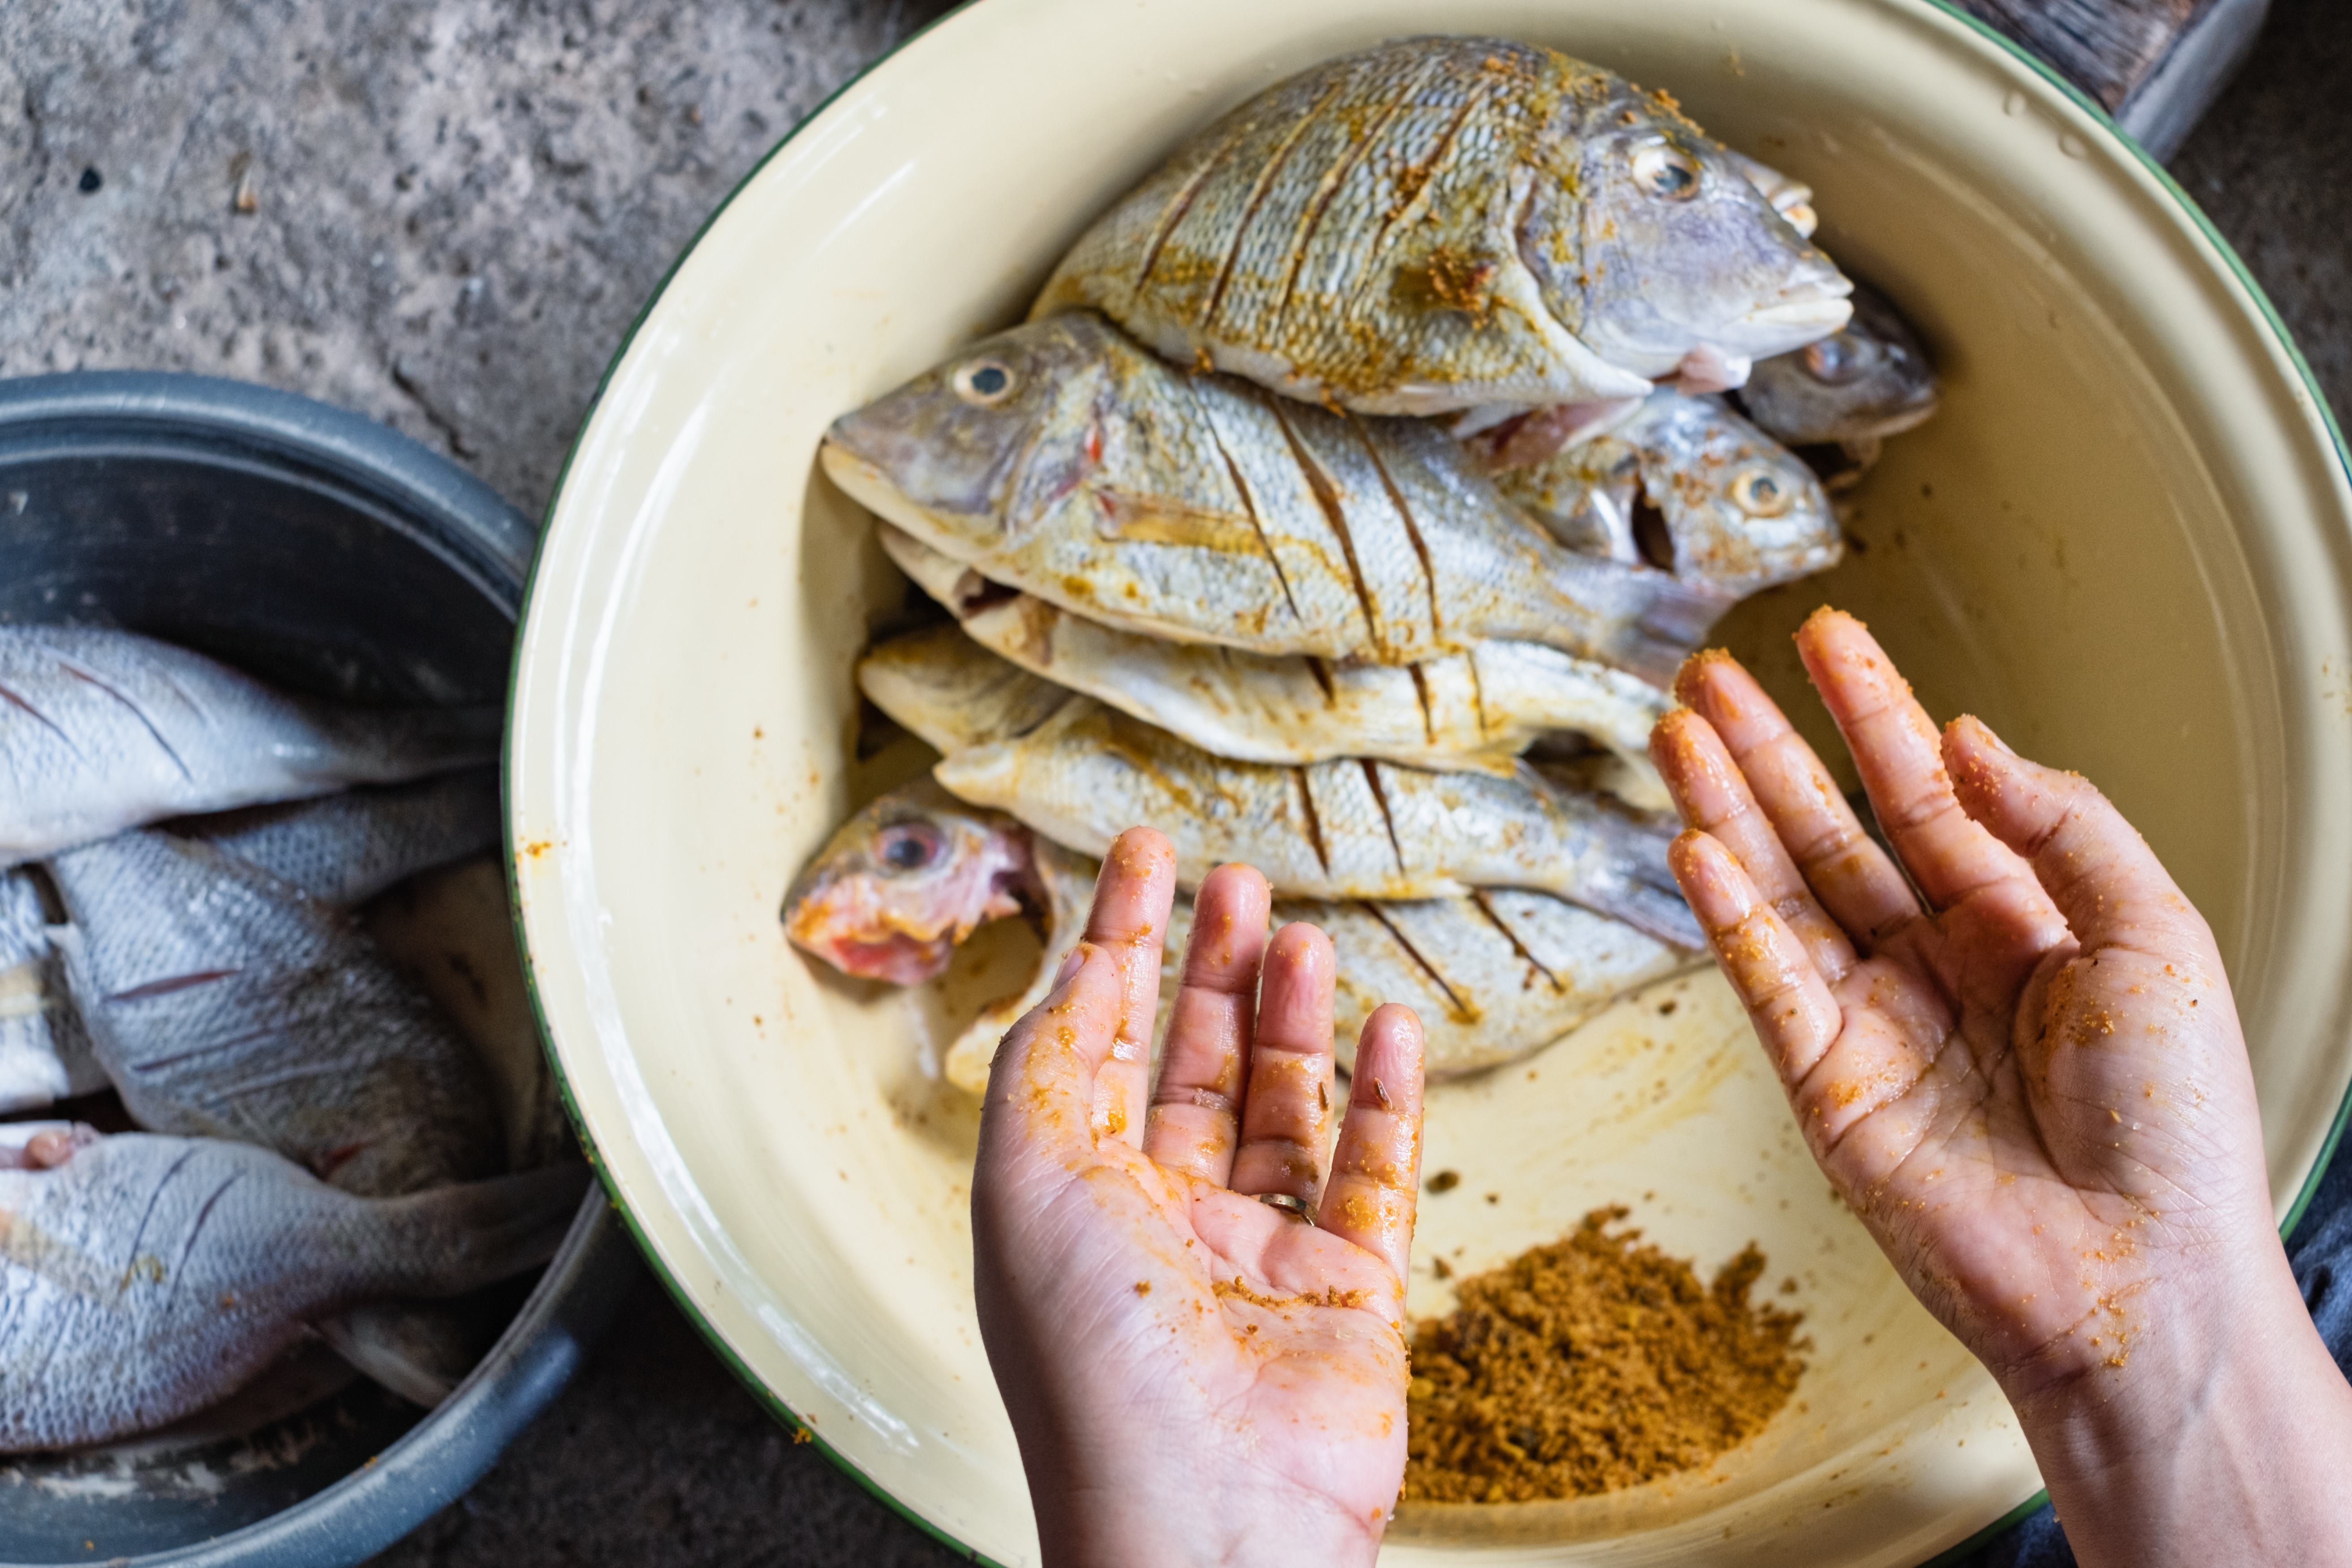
{"points": [[1161, 1337], [2022, 1066]]}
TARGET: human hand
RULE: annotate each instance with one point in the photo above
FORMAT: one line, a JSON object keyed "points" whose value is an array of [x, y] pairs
{"points": [[2032, 1090], [1196, 1376]]}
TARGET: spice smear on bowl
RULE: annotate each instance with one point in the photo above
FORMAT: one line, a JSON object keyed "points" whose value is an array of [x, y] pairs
{"points": [[1589, 1365]]}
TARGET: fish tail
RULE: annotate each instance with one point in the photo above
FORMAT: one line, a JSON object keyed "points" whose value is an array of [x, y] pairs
{"points": [[1674, 619], [452, 1240], [392, 745], [418, 1351]]}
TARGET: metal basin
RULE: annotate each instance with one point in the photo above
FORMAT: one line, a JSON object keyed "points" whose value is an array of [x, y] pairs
{"points": [[327, 553]]}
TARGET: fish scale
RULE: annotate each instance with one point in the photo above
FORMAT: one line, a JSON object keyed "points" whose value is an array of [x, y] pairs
{"points": [[1344, 829], [1440, 224], [149, 1277], [1202, 509]]}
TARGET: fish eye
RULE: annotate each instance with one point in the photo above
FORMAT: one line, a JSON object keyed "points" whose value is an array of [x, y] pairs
{"points": [[1836, 359], [1761, 493], [1667, 170], [904, 847], [985, 382]]}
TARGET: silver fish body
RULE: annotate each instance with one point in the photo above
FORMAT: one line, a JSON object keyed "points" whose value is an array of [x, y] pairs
{"points": [[1062, 459], [147, 1277], [1871, 379], [1691, 488], [343, 850], [45, 1054], [100, 731], [224, 1003], [1473, 712], [1447, 223], [1348, 829]]}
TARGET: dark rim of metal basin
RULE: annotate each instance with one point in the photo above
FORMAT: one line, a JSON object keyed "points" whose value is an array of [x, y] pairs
{"points": [[475, 531], [1950, 11]]}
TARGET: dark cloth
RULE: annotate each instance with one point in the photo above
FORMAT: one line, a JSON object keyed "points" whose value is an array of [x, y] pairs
{"points": [[2321, 1251]]}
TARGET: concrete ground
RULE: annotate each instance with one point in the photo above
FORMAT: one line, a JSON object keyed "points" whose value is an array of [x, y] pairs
{"points": [[443, 214]]}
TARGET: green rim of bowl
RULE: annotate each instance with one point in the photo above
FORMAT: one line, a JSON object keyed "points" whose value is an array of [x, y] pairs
{"points": [[807, 1430]]}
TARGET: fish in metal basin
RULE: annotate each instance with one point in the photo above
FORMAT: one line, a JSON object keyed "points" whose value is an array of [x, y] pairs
{"points": [[1347, 829], [343, 850], [144, 1278], [1792, 199], [1493, 975], [1472, 712], [1839, 399], [224, 1003], [100, 731], [1064, 460], [1689, 487], [1451, 223], [45, 1054]]}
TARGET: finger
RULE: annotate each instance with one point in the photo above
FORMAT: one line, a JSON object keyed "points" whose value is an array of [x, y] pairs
{"points": [[1850, 876], [2094, 865], [1714, 799], [1900, 757], [1786, 997], [1133, 896], [1376, 1173], [1286, 1108], [1196, 1105], [1041, 1085]]}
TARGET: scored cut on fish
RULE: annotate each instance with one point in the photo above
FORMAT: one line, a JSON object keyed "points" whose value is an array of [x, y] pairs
{"points": [[1348, 829], [1448, 222], [1064, 460], [1472, 712], [100, 731], [343, 850], [45, 1053], [1689, 487], [224, 1003], [148, 1276]]}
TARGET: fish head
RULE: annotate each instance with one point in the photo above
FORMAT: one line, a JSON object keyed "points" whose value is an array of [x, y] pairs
{"points": [[1724, 507], [974, 453], [898, 885], [1871, 378], [1682, 266]]}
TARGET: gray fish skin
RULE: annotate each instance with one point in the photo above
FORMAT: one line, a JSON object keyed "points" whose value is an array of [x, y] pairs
{"points": [[954, 694], [224, 1003], [1470, 712], [100, 731], [45, 1054], [1444, 223], [1792, 199], [1869, 380], [343, 850], [148, 1276], [1351, 829], [1740, 511], [1202, 509]]}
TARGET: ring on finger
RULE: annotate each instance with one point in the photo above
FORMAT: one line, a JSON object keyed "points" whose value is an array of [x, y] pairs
{"points": [[1297, 1208]]}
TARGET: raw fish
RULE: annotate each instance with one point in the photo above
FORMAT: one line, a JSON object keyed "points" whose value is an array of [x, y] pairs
{"points": [[343, 850], [146, 1277], [1204, 509], [224, 1003], [1348, 829], [1869, 380], [1692, 489], [1472, 712], [100, 731], [1445, 223], [45, 1054]]}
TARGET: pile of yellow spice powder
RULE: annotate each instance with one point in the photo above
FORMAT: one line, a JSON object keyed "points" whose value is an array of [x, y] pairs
{"points": [[1590, 1364]]}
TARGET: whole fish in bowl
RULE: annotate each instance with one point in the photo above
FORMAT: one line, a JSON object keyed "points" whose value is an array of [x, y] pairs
{"points": [[1454, 224], [1836, 401]]}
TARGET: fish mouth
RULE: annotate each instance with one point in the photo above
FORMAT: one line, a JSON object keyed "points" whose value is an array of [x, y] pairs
{"points": [[1814, 314]]}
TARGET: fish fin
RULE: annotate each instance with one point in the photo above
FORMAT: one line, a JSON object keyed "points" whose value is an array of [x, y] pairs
{"points": [[419, 1352], [1675, 620], [452, 1240]]}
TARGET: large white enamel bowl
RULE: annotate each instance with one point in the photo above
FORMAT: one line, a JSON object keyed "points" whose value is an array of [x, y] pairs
{"points": [[2124, 542]]}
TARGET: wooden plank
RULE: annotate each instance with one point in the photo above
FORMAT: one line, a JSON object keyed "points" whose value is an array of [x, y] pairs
{"points": [[2156, 64]]}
